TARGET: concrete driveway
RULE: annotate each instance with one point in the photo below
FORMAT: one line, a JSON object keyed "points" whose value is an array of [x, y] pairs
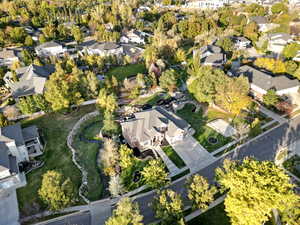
{"points": [[193, 154], [9, 213]]}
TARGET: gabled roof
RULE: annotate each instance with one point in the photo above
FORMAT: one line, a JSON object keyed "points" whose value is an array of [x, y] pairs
{"points": [[7, 54], [4, 159], [12, 133], [32, 80], [146, 124], [210, 48], [279, 36], [104, 46], [259, 19], [49, 44], [266, 81]]}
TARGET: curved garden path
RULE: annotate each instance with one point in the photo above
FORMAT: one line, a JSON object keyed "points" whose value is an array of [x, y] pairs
{"points": [[70, 138]]}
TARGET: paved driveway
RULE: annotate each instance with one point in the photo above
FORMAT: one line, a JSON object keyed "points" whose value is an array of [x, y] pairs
{"points": [[193, 154], [9, 213]]}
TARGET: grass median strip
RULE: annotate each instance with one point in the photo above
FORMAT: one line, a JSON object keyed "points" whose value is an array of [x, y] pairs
{"points": [[170, 152]]}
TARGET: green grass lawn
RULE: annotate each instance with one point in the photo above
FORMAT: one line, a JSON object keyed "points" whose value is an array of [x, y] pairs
{"points": [[151, 100], [121, 72], [197, 120], [57, 156], [214, 216], [173, 156], [87, 155]]}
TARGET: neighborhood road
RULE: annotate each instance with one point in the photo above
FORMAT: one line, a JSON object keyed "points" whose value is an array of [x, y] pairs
{"points": [[264, 147]]}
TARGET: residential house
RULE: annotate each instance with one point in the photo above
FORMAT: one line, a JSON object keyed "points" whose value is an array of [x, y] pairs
{"points": [[277, 41], [261, 82], [260, 2], [133, 52], [297, 57], [240, 42], [294, 3], [103, 49], [263, 24], [8, 56], [134, 36], [51, 48], [31, 80], [150, 127], [206, 4], [211, 55], [17, 145]]}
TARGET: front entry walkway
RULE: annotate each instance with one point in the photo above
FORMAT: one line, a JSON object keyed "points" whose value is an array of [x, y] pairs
{"points": [[193, 154]]}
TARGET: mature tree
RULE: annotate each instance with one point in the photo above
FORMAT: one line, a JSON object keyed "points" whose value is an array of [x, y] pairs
{"points": [[168, 207], [291, 216], [126, 213], [134, 93], [155, 174], [17, 34], [225, 43], [254, 189], [110, 126], [77, 34], [203, 81], [232, 95], [255, 128], [115, 186], [56, 191], [106, 101], [28, 41], [251, 31], [291, 67], [279, 7], [26, 56], [3, 120], [271, 98], [109, 157], [180, 55], [256, 9], [291, 50], [168, 80], [200, 192], [27, 105], [127, 158], [151, 55], [273, 65]]}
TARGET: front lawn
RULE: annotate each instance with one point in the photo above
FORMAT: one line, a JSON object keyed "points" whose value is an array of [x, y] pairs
{"points": [[54, 128], [87, 157], [198, 121], [122, 72], [173, 156], [214, 216]]}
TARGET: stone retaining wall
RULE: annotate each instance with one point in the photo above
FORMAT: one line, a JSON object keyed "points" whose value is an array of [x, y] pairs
{"points": [[70, 138]]}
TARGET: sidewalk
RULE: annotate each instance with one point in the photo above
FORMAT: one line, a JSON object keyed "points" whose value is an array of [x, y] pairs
{"points": [[273, 115]]}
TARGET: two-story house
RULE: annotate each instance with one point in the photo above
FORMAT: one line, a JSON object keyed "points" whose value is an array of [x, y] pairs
{"points": [[8, 57], [150, 127], [17, 146], [51, 48], [30, 80], [210, 55]]}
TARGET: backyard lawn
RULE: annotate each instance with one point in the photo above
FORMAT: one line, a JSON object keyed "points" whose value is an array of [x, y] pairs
{"points": [[121, 72], [173, 156], [214, 216], [87, 155], [197, 120], [151, 100], [54, 129]]}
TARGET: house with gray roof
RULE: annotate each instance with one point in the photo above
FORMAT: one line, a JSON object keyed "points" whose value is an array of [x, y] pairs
{"points": [[261, 82], [150, 127], [8, 57], [263, 23], [17, 145], [277, 41], [51, 48], [240, 42], [31, 80], [211, 55], [103, 49]]}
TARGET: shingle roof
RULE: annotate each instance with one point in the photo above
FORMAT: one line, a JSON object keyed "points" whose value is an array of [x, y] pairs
{"points": [[259, 19], [30, 133], [32, 80], [4, 159], [49, 44], [105, 46], [267, 81], [279, 36], [146, 123], [12, 133]]}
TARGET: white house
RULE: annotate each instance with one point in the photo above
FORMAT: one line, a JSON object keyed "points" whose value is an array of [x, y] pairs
{"points": [[206, 4], [278, 41], [241, 42], [51, 48], [134, 36], [8, 57], [17, 145], [261, 82], [104, 49]]}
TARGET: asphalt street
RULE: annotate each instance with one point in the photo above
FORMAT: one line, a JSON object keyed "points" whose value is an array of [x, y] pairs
{"points": [[264, 147]]}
